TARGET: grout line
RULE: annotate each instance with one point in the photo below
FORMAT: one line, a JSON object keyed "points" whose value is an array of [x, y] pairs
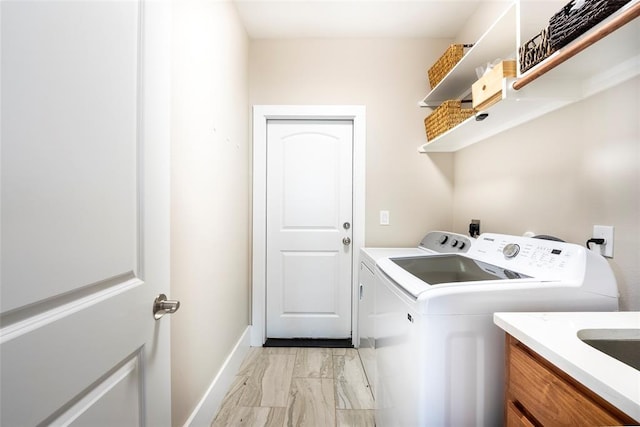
{"points": [[364, 373], [287, 407]]}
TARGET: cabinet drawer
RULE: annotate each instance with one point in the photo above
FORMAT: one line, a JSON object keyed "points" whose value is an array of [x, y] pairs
{"points": [[515, 418], [488, 89], [549, 398]]}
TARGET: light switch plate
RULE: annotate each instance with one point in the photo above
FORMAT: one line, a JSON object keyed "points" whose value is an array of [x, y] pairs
{"points": [[384, 217]]}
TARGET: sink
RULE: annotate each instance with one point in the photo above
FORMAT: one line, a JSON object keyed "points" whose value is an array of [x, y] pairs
{"points": [[621, 344]]}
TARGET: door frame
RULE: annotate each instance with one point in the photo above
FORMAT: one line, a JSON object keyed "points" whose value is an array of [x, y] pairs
{"points": [[262, 114]]}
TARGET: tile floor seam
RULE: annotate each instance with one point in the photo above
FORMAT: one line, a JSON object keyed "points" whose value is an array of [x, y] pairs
{"points": [[365, 374], [289, 396]]}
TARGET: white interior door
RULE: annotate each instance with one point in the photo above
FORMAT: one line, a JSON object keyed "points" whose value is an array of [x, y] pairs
{"points": [[85, 209], [309, 213]]}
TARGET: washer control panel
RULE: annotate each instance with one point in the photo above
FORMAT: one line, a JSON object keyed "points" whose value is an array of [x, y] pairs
{"points": [[446, 242], [528, 255]]}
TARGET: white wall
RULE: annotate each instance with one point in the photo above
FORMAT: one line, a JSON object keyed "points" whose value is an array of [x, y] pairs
{"points": [[388, 76], [560, 175], [210, 194]]}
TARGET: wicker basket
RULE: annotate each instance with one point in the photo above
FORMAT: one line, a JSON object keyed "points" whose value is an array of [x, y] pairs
{"points": [[448, 115], [535, 50], [567, 25], [446, 62]]}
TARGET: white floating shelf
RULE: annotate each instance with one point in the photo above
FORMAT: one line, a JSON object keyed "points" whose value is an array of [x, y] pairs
{"points": [[606, 62], [493, 44]]}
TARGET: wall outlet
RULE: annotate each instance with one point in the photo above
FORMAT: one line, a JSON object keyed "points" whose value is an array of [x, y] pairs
{"points": [[474, 228], [384, 217], [603, 232]]}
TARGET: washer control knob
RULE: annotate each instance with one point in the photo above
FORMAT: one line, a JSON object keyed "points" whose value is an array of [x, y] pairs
{"points": [[454, 243], [443, 239], [462, 245], [511, 250]]}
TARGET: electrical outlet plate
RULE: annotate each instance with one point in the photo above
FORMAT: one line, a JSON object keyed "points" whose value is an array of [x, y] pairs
{"points": [[475, 227], [604, 232]]}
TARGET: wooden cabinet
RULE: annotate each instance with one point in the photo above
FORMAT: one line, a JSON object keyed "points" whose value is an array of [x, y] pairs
{"points": [[540, 394]]}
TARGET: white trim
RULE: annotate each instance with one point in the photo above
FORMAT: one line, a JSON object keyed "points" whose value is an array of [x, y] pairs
{"points": [[262, 113], [208, 407]]}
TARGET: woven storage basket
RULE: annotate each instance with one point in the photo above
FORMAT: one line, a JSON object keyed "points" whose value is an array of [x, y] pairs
{"points": [[569, 24], [535, 50], [446, 62], [448, 115]]}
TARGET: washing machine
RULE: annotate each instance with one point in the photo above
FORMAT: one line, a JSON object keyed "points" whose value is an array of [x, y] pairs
{"points": [[434, 242], [439, 357]]}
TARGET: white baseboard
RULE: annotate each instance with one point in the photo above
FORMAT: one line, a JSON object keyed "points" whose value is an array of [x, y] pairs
{"points": [[210, 403]]}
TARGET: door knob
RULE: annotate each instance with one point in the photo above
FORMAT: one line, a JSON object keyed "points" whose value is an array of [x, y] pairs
{"points": [[162, 306], [346, 241]]}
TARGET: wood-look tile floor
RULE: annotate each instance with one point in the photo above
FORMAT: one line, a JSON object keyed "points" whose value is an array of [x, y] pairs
{"points": [[298, 387]]}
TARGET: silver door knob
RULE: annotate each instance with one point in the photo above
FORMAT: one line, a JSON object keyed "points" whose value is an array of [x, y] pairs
{"points": [[162, 306], [346, 241]]}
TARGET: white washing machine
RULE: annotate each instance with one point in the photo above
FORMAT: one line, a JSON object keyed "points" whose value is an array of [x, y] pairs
{"points": [[439, 357], [435, 242]]}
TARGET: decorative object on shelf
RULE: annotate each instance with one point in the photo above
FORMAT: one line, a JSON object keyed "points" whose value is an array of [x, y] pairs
{"points": [[448, 115], [535, 50], [488, 89], [446, 62], [578, 16]]}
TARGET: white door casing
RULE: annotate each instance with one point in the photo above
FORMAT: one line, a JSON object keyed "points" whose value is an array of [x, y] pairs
{"points": [[309, 201], [85, 212], [261, 115]]}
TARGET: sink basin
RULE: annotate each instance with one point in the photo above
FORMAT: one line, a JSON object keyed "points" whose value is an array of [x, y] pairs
{"points": [[621, 344]]}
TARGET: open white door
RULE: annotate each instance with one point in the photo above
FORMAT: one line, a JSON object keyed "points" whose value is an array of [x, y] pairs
{"points": [[85, 213]]}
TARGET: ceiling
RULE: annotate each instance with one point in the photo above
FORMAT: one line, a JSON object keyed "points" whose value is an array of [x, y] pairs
{"points": [[355, 18]]}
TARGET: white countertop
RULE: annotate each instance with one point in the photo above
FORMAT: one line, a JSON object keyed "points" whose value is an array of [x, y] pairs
{"points": [[554, 337]]}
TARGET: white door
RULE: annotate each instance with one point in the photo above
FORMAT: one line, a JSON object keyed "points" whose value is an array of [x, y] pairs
{"points": [[309, 215], [85, 209]]}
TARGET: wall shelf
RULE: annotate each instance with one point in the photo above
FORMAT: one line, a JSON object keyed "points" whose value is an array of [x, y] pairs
{"points": [[605, 56], [601, 57], [493, 44]]}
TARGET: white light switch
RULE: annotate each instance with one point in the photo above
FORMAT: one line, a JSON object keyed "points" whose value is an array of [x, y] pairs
{"points": [[384, 217]]}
